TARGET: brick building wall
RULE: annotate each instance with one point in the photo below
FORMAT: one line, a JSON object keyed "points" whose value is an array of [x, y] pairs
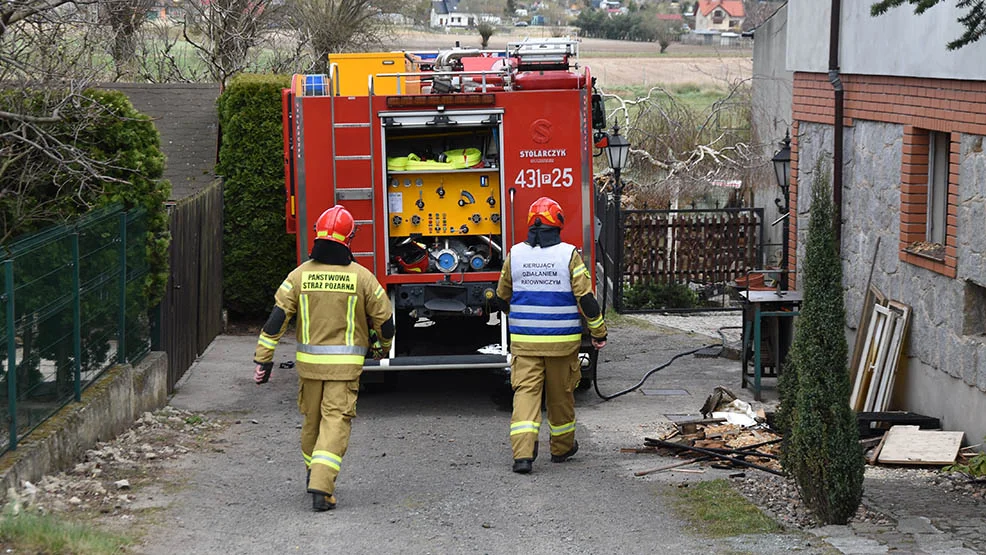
{"points": [[920, 105]]}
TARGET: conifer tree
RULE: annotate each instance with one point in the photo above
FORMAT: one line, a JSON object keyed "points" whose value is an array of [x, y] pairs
{"points": [[821, 448]]}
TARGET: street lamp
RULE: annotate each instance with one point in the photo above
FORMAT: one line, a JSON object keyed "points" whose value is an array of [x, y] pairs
{"points": [[618, 153], [782, 171], [782, 168]]}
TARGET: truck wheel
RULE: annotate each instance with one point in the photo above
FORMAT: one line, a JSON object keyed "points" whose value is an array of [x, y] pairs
{"points": [[589, 362]]}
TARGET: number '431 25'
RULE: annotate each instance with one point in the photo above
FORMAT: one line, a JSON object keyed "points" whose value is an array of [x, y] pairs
{"points": [[537, 178]]}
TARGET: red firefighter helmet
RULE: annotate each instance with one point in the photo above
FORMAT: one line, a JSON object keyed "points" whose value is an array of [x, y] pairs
{"points": [[546, 211], [336, 224]]}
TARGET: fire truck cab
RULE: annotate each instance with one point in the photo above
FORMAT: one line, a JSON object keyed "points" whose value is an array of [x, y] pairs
{"points": [[438, 157]]}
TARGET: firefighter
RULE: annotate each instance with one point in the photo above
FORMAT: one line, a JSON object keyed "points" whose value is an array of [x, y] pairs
{"points": [[546, 285], [337, 303]]}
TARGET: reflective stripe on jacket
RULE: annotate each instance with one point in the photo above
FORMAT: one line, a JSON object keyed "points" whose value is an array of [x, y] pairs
{"points": [[335, 306]]}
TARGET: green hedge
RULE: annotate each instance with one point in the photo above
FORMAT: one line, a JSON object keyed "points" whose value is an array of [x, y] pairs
{"points": [[654, 295], [257, 252], [109, 130], [130, 141]]}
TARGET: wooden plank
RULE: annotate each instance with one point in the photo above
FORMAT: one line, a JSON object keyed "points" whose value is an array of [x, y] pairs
{"points": [[875, 455], [912, 445]]}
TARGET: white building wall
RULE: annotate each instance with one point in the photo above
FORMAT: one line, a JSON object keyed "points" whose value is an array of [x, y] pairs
{"points": [[896, 43]]}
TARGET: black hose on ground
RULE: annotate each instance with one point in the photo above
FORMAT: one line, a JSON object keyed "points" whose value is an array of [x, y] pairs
{"points": [[648, 374], [721, 346]]}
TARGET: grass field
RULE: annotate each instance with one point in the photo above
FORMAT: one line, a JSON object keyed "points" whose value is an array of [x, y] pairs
{"points": [[618, 64]]}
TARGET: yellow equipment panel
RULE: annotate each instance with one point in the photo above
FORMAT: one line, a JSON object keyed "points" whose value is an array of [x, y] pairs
{"points": [[444, 203], [352, 71]]}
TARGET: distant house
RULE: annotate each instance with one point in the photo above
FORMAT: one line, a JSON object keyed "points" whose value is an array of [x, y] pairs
{"points": [[672, 17], [444, 13], [719, 15], [165, 11]]}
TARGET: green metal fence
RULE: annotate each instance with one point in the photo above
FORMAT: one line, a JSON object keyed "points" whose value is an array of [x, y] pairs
{"points": [[72, 306]]}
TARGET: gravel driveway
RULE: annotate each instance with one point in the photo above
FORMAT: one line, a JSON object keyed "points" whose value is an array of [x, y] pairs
{"points": [[428, 470]]}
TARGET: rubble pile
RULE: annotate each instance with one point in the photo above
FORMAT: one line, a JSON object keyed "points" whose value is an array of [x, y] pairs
{"points": [[107, 480]]}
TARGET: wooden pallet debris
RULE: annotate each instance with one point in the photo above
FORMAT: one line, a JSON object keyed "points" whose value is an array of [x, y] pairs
{"points": [[714, 441], [912, 445]]}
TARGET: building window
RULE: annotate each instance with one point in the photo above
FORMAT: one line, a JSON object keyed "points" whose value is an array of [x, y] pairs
{"points": [[938, 151], [717, 17], [929, 200]]}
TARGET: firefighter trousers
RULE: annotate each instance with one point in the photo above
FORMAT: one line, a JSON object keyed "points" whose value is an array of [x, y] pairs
{"points": [[328, 407], [557, 377]]}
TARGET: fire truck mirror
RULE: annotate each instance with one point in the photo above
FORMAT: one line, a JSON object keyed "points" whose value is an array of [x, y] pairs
{"points": [[598, 112]]}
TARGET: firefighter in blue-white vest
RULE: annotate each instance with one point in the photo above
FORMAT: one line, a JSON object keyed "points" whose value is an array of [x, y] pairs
{"points": [[338, 304], [547, 286]]}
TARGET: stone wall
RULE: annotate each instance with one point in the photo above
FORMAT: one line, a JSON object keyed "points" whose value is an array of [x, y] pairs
{"points": [[108, 407], [944, 371]]}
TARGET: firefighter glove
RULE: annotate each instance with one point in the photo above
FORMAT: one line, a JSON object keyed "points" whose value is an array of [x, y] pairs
{"points": [[261, 373], [378, 350]]}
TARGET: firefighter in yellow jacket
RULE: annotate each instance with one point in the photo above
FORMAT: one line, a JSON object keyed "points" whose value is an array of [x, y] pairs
{"points": [[336, 301], [547, 286]]}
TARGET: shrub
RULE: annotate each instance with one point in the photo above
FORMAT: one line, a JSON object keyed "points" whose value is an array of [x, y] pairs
{"points": [[111, 136], [653, 295], [129, 141], [822, 449], [257, 253], [974, 469]]}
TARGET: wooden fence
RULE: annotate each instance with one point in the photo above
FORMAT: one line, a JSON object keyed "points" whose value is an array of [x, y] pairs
{"points": [[706, 247], [681, 246], [191, 312]]}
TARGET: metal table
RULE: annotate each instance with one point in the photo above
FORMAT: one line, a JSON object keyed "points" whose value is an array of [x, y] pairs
{"points": [[778, 309]]}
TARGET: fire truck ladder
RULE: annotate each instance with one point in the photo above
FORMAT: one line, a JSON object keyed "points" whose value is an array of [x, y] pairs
{"points": [[352, 148]]}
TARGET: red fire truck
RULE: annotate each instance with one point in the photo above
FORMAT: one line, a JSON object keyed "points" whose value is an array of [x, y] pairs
{"points": [[438, 158]]}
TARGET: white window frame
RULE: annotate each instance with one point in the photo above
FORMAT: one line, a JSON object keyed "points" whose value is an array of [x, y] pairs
{"points": [[939, 149]]}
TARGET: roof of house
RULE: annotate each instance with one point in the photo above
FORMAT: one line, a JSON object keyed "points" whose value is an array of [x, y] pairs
{"points": [[186, 118], [669, 17], [443, 7], [733, 7]]}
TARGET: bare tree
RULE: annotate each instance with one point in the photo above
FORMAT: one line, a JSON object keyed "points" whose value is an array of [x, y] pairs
{"points": [[124, 17], [162, 58], [46, 64], [485, 30], [665, 32], [224, 32], [679, 150], [339, 25]]}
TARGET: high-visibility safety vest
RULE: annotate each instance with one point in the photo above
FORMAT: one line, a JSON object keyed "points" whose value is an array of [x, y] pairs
{"points": [[543, 308]]}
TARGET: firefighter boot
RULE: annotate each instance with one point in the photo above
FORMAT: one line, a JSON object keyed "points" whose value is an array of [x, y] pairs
{"points": [[323, 502], [523, 466], [571, 452]]}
